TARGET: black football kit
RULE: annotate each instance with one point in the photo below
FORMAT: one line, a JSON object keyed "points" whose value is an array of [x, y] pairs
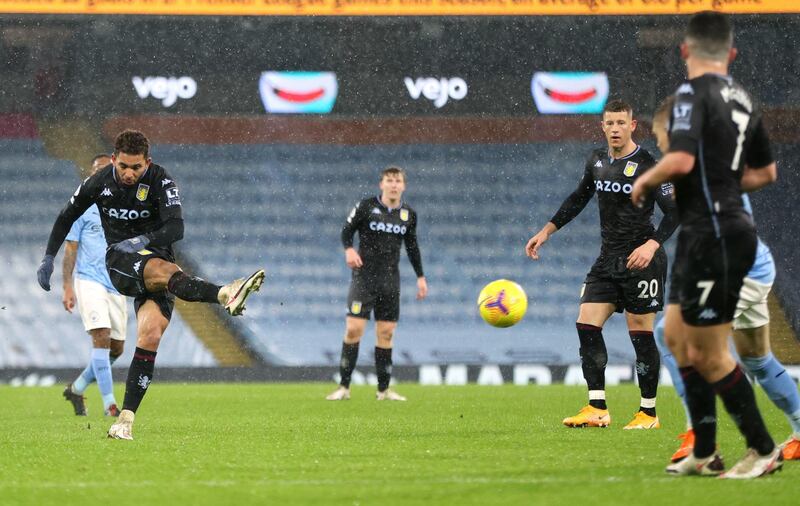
{"points": [[717, 121], [151, 207], [623, 228], [381, 231]]}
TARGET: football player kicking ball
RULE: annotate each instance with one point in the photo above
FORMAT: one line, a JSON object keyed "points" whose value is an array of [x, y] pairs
{"points": [[750, 331], [630, 272], [718, 147], [383, 223], [140, 210]]}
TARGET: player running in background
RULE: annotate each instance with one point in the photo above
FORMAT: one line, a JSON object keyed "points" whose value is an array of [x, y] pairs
{"points": [[630, 272], [103, 310], [718, 147], [140, 209], [383, 223], [750, 330]]}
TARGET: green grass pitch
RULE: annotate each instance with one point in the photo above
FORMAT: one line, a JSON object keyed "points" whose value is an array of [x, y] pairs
{"points": [[241, 444]]}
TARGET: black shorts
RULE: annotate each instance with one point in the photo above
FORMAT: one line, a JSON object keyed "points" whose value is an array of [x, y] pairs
{"points": [[126, 271], [708, 273], [637, 292], [373, 293]]}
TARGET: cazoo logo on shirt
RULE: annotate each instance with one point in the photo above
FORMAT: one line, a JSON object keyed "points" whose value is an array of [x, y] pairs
{"points": [[380, 226], [166, 89], [612, 186], [126, 214]]}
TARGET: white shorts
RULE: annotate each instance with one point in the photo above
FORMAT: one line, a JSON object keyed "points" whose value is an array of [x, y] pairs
{"points": [[101, 309], [751, 310]]}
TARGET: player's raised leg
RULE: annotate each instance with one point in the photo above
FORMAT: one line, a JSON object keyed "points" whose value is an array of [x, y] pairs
{"points": [[383, 360], [354, 331], [594, 359], [648, 366]]}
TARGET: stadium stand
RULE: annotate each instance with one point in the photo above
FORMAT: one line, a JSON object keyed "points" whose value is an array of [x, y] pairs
{"points": [[282, 207], [35, 329]]}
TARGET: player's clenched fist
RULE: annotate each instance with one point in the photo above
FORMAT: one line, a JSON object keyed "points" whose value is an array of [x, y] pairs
{"points": [[352, 258]]}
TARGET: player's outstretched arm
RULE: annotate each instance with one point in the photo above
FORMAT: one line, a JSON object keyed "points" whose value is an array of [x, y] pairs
{"points": [[77, 205], [541, 237]]}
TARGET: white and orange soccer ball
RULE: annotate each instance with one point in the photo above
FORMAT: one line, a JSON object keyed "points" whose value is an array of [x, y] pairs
{"points": [[502, 303]]}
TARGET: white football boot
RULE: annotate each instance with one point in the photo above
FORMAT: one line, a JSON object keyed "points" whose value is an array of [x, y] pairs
{"points": [[754, 465], [691, 465], [123, 427], [233, 295], [340, 394], [389, 395]]}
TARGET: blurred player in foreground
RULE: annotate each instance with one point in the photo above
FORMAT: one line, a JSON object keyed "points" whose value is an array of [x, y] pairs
{"points": [[103, 310], [750, 331], [629, 274], [141, 214], [718, 147], [383, 223]]}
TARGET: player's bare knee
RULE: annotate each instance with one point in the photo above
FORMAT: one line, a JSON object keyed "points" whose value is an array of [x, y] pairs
{"points": [[149, 340], [385, 339], [353, 335], [101, 338], [117, 348], [157, 273]]}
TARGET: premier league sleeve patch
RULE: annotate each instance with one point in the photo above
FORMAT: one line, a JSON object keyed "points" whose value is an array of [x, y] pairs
{"points": [[173, 197]]}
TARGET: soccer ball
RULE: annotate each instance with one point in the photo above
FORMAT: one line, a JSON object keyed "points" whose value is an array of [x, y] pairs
{"points": [[502, 303]]}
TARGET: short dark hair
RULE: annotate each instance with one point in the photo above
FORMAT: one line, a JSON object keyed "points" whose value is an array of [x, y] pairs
{"points": [[618, 106], [99, 156], [132, 142], [393, 170], [709, 35]]}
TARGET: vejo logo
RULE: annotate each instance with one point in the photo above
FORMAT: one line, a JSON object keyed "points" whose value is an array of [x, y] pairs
{"points": [[439, 91], [166, 89]]}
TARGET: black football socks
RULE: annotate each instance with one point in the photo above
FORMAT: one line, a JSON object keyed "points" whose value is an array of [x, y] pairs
{"points": [[348, 363], [648, 367], [703, 409], [140, 375], [594, 358], [383, 367], [192, 289], [740, 402]]}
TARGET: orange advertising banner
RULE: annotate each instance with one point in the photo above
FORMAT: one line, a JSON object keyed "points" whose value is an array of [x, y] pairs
{"points": [[396, 7]]}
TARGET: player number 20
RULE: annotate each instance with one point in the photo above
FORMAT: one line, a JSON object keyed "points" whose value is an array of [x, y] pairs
{"points": [[648, 289]]}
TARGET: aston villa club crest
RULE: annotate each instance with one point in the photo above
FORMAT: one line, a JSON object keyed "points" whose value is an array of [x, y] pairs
{"points": [[404, 214], [142, 192], [630, 169], [355, 307]]}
